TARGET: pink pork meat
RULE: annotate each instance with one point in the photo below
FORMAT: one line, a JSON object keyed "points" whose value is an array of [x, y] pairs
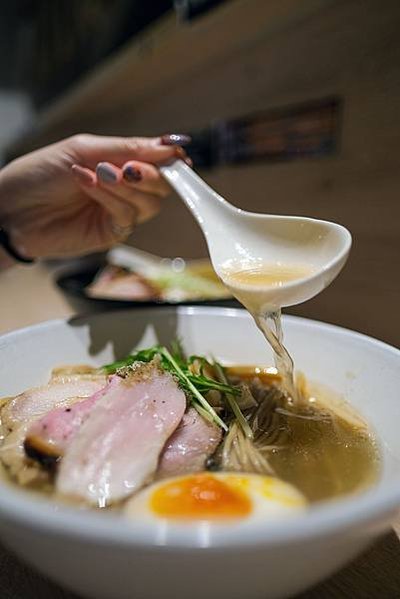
{"points": [[117, 448], [18, 414], [188, 449], [48, 438], [32, 404]]}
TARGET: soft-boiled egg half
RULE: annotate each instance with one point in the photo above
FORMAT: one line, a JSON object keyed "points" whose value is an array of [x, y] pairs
{"points": [[216, 496]]}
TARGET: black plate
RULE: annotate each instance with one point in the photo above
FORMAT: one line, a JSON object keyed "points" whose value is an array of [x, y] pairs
{"points": [[74, 286]]}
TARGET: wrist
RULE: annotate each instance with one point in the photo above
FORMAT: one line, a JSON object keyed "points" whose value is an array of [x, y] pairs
{"points": [[11, 249], [6, 261], [10, 253]]}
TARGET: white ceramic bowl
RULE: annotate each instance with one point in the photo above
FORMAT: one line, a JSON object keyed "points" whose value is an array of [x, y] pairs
{"points": [[104, 556]]}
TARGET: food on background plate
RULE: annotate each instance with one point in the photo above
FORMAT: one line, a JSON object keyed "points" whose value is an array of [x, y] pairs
{"points": [[116, 283], [183, 437], [135, 275]]}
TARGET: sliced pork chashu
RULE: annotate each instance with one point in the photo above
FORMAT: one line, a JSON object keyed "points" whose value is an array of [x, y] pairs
{"points": [[18, 414], [117, 448]]}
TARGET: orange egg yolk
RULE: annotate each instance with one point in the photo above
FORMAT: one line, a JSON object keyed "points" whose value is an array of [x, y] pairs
{"points": [[201, 496]]}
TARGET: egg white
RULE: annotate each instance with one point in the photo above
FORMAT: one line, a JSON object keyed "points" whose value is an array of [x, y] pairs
{"points": [[271, 498]]}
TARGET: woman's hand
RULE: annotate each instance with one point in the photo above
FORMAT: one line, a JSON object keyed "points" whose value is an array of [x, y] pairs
{"points": [[84, 193]]}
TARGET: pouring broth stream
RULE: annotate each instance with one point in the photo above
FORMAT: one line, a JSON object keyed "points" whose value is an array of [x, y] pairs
{"points": [[253, 285]]}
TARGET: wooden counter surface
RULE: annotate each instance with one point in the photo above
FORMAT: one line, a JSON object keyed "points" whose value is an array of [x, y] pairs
{"points": [[29, 296]]}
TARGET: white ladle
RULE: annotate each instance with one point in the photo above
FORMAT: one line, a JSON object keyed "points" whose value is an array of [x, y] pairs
{"points": [[236, 236]]}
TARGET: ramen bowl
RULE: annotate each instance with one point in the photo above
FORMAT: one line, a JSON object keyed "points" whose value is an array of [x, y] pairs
{"points": [[106, 555]]}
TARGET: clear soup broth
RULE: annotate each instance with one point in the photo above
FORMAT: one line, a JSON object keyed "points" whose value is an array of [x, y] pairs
{"points": [[266, 275], [318, 443]]}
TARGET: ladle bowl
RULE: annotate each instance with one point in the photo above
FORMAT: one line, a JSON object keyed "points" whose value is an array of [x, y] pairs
{"points": [[237, 236]]}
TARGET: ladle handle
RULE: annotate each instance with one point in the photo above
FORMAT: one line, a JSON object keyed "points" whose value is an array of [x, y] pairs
{"points": [[200, 198]]}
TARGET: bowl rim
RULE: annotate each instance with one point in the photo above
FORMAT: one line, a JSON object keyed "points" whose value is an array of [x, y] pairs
{"points": [[329, 518]]}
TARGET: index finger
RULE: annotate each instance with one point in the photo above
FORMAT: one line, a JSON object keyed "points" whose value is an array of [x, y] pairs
{"points": [[91, 149]]}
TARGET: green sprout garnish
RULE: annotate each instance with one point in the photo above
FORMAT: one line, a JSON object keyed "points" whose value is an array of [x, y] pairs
{"points": [[195, 385]]}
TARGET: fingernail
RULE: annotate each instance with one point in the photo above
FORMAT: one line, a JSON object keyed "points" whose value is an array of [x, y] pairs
{"points": [[82, 175], [175, 139], [106, 172], [180, 153], [132, 174]]}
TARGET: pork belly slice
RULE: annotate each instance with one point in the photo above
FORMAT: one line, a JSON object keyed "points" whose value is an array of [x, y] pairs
{"points": [[47, 438], [117, 448], [188, 449], [19, 412], [36, 402]]}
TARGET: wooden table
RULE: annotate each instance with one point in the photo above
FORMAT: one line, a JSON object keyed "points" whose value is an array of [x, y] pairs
{"points": [[29, 296]]}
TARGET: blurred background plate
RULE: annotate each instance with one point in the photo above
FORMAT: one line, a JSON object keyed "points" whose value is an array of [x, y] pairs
{"points": [[74, 285]]}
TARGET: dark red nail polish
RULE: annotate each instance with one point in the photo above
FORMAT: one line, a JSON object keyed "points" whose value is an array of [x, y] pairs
{"points": [[132, 174], [176, 139]]}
